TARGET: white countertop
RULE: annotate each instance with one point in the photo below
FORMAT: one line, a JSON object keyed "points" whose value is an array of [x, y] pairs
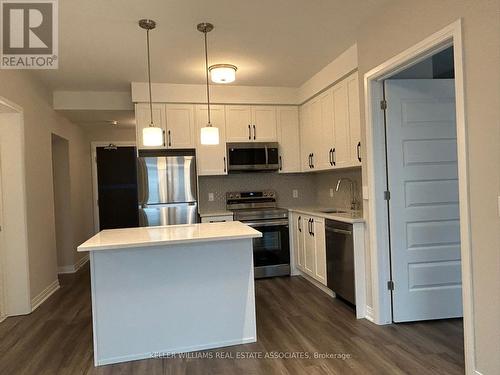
{"points": [[168, 235], [350, 217], [216, 213]]}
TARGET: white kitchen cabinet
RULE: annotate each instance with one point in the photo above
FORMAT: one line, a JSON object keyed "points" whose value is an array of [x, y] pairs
{"points": [[211, 159], [325, 144], [318, 225], [309, 245], [288, 139], [251, 123], [298, 240], [264, 125], [143, 120], [306, 136], [354, 119], [342, 154], [180, 126], [216, 218], [239, 123]]}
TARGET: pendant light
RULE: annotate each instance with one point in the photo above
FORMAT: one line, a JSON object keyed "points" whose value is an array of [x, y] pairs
{"points": [[152, 135], [209, 134]]}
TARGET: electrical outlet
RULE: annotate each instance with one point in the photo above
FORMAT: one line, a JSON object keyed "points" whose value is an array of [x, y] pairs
{"points": [[295, 193], [210, 197], [331, 192]]}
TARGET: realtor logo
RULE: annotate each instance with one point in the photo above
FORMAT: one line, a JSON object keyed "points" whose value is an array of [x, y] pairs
{"points": [[28, 34]]}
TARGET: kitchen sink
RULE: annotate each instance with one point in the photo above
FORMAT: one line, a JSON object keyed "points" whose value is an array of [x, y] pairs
{"points": [[333, 211]]}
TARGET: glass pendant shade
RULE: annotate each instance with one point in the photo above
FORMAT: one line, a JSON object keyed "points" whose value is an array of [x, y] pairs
{"points": [[222, 73], [209, 135], [152, 136]]}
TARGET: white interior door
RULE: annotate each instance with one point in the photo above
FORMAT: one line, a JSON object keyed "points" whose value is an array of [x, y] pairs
{"points": [[424, 202]]}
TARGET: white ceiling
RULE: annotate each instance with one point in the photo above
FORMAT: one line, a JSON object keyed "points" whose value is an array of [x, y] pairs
{"points": [[273, 42], [90, 118]]}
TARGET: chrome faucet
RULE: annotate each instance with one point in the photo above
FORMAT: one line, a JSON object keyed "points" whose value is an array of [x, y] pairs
{"points": [[354, 203]]}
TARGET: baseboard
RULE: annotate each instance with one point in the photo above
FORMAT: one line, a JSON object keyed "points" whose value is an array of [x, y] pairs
{"points": [[74, 268], [369, 313], [44, 295], [316, 283], [171, 351]]}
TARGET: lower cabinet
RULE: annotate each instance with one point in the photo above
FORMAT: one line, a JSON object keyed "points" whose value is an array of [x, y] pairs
{"points": [[216, 218], [308, 235]]}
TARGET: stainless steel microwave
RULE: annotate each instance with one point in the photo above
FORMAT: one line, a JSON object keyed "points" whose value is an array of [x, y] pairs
{"points": [[252, 156]]}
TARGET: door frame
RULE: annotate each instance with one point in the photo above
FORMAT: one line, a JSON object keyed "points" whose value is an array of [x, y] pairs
{"points": [[15, 296], [93, 155], [451, 35]]}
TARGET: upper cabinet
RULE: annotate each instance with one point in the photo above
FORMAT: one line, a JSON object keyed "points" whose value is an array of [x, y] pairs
{"points": [[251, 123], [354, 119], [288, 139], [211, 159], [330, 128], [180, 126], [176, 120]]}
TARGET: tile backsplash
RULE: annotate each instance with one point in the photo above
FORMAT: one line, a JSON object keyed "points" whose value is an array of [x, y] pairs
{"points": [[313, 188]]}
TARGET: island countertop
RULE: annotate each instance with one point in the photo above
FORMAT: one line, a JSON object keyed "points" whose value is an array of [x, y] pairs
{"points": [[111, 239]]}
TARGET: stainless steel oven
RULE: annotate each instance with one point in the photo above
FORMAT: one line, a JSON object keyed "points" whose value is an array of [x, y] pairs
{"points": [[252, 157], [271, 252]]}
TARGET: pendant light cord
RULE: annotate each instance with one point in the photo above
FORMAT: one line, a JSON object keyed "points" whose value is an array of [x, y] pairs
{"points": [[149, 82], [206, 72]]}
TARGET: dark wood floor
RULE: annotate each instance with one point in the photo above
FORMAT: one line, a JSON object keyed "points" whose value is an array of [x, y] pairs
{"points": [[292, 317]]}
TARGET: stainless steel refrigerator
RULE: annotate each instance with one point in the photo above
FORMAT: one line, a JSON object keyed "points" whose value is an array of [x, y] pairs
{"points": [[167, 188]]}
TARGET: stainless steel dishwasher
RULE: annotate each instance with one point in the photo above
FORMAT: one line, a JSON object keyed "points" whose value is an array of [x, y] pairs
{"points": [[340, 259]]}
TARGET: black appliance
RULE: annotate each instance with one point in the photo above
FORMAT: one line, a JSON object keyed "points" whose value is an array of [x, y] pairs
{"points": [[252, 157], [271, 252], [340, 259]]}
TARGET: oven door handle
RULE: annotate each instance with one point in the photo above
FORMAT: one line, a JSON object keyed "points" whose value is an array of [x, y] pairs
{"points": [[267, 223]]}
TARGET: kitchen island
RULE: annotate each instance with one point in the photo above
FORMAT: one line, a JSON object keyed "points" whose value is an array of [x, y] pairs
{"points": [[163, 290]]}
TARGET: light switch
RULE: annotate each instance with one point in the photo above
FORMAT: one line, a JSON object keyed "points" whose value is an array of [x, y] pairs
{"points": [[210, 197], [365, 192], [295, 193]]}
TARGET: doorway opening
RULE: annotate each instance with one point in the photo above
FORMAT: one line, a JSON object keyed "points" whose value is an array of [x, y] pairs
{"points": [[418, 192], [62, 203]]}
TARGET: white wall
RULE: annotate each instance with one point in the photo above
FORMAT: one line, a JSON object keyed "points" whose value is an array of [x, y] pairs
{"points": [[62, 202], [398, 26], [40, 121]]}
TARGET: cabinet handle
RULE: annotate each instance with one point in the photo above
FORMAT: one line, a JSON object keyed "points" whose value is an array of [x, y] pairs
{"points": [[164, 139], [334, 157], [359, 151], [330, 156], [169, 139], [225, 168], [254, 133], [312, 160], [249, 133], [312, 227], [281, 164], [298, 224]]}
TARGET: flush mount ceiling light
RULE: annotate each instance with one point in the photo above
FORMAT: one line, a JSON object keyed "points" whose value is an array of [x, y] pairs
{"points": [[152, 135], [222, 73], [209, 134]]}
